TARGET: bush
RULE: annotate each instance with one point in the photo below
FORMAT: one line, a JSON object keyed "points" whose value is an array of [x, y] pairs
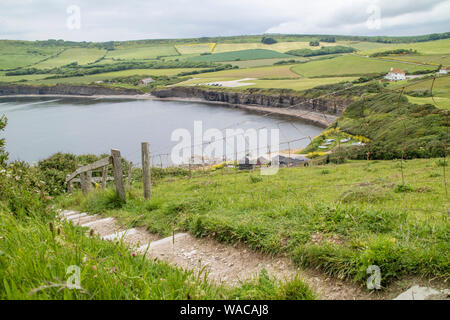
{"points": [[268, 40], [3, 154], [321, 51]]}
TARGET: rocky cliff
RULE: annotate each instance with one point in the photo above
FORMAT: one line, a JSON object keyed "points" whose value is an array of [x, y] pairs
{"points": [[322, 105], [65, 90]]}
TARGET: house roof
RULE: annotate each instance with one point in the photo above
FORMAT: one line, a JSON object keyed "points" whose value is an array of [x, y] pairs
{"points": [[445, 68], [396, 70]]}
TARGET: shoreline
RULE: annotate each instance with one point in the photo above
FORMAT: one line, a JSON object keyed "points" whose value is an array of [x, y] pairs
{"points": [[316, 118]]}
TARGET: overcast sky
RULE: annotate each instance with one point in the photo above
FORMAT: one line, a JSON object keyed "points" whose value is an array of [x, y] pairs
{"points": [[103, 20]]}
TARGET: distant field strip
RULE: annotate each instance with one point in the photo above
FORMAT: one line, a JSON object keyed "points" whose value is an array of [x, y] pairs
{"points": [[110, 75], [79, 55], [263, 62], [429, 47], [252, 54], [195, 48], [435, 59], [283, 71], [352, 65], [298, 84], [280, 46], [152, 52]]}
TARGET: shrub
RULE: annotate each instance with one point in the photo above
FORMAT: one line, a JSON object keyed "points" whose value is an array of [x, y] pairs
{"points": [[321, 51], [268, 40], [3, 154]]}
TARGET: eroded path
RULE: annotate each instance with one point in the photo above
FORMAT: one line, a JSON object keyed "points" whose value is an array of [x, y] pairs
{"points": [[224, 263]]}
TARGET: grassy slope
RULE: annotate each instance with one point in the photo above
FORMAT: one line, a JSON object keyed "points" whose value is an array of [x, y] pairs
{"points": [[283, 71], [36, 254], [429, 47], [280, 46], [141, 52], [352, 65], [36, 249], [394, 126], [357, 208], [105, 76], [14, 54], [79, 55]]}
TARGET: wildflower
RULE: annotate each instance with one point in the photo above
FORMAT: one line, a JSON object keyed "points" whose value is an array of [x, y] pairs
{"points": [[94, 268], [133, 254]]}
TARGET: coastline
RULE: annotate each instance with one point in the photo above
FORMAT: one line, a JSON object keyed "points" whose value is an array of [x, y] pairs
{"points": [[312, 117]]}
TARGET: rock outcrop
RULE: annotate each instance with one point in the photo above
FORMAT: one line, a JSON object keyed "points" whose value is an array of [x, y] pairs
{"points": [[64, 90], [323, 105]]}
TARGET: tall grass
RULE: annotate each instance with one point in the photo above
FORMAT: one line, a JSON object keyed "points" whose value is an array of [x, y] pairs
{"points": [[356, 208]]}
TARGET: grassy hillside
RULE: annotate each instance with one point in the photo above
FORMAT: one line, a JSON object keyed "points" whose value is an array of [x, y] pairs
{"points": [[394, 127], [77, 62], [36, 250], [352, 65], [340, 219], [78, 55]]}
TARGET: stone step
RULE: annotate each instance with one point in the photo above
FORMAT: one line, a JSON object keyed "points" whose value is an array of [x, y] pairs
{"points": [[119, 235], [67, 213], [86, 219], [100, 221], [162, 242], [105, 227], [76, 216]]}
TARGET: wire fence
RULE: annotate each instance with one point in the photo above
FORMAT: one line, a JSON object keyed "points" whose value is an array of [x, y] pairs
{"points": [[233, 163]]}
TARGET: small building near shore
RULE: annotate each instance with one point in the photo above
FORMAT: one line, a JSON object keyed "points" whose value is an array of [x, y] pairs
{"points": [[444, 70], [146, 81], [396, 74]]}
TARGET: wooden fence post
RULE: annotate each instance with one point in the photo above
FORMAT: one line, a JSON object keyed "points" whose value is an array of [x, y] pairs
{"points": [[118, 174], [129, 175], [88, 181], [104, 176], [83, 182], [146, 173], [69, 186]]}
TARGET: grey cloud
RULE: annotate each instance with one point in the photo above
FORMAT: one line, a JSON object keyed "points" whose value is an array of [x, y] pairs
{"points": [[118, 20]]}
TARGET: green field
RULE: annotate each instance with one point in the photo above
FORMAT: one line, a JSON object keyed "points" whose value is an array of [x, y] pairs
{"points": [[429, 47], [352, 65], [79, 55], [441, 102], [104, 76], [280, 46], [283, 71], [143, 53], [195, 48], [441, 87], [432, 59], [252, 58], [297, 84], [15, 54], [251, 54]]}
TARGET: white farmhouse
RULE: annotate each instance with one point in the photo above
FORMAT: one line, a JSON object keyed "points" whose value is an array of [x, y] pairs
{"points": [[396, 75], [444, 70]]}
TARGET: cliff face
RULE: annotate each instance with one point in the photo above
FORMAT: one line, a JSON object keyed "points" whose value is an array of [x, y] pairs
{"points": [[330, 106], [65, 90]]}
